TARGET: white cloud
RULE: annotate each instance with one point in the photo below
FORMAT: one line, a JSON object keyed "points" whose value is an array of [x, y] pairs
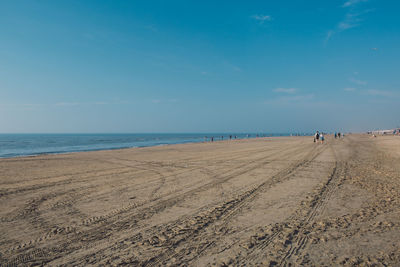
{"points": [[350, 89], [285, 90], [359, 82], [346, 25], [329, 35], [351, 20], [353, 2], [262, 18], [374, 92]]}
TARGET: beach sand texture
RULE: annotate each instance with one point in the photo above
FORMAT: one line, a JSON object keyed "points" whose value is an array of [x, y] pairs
{"points": [[259, 202]]}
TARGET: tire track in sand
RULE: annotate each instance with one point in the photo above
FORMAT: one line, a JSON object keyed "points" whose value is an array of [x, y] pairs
{"points": [[286, 240], [130, 221], [170, 236], [31, 209]]}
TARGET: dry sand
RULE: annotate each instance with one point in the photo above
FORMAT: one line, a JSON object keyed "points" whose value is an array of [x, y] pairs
{"points": [[271, 201]]}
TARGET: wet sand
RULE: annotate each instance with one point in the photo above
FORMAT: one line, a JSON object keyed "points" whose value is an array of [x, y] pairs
{"points": [[261, 202]]}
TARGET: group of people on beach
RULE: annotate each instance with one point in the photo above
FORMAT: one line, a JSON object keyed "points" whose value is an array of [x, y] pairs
{"points": [[221, 138], [337, 135], [319, 137]]}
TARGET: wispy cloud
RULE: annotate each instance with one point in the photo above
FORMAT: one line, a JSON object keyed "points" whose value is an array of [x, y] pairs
{"points": [[356, 81], [351, 19], [374, 92], [289, 95], [329, 35], [285, 90], [353, 2], [261, 18]]}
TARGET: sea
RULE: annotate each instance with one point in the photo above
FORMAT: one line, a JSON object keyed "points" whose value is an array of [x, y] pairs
{"points": [[18, 145]]}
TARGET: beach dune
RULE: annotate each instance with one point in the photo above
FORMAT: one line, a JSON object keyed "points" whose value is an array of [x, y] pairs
{"points": [[265, 201]]}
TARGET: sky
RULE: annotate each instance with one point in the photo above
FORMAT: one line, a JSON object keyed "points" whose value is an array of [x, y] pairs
{"points": [[199, 66]]}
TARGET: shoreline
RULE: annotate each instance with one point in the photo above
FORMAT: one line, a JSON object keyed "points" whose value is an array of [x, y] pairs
{"points": [[132, 147]]}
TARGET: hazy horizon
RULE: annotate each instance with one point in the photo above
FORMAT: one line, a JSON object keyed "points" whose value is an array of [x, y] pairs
{"points": [[169, 133], [199, 67]]}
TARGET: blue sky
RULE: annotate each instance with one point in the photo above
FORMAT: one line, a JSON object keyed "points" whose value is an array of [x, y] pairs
{"points": [[204, 66]]}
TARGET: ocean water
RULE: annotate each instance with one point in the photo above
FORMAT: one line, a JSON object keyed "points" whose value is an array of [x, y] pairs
{"points": [[14, 145]]}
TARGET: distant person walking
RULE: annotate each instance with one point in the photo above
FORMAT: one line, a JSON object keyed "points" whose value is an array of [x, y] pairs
{"points": [[322, 138], [316, 137]]}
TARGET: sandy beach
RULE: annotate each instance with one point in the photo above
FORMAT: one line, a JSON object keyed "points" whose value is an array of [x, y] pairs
{"points": [[259, 202]]}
